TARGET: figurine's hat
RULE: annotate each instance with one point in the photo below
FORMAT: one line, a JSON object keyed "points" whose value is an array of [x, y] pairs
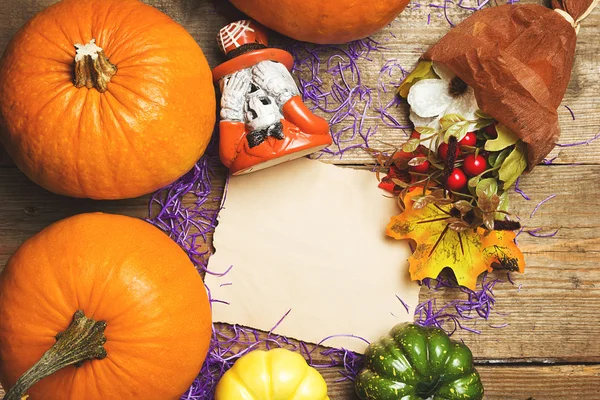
{"points": [[245, 44], [241, 33]]}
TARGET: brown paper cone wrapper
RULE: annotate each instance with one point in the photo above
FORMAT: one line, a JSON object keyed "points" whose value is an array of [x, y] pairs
{"points": [[518, 59]]}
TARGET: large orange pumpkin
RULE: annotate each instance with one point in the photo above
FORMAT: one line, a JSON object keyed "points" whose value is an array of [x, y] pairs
{"points": [[323, 21], [128, 278], [118, 123]]}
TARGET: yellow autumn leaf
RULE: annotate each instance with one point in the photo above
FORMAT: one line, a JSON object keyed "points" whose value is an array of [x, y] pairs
{"points": [[467, 253], [423, 70]]}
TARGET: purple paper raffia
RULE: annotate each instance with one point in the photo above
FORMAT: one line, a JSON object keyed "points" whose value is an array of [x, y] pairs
{"points": [[478, 305], [331, 82]]}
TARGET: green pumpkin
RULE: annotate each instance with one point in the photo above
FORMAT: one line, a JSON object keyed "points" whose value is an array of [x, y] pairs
{"points": [[416, 363]]}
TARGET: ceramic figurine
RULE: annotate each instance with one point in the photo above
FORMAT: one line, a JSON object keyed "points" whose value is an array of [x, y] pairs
{"points": [[263, 119]]}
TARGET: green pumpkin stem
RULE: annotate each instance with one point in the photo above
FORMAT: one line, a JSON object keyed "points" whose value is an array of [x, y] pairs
{"points": [[92, 67], [83, 340]]}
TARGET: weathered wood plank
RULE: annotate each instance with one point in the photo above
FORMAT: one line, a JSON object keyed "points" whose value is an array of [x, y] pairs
{"points": [[551, 312], [517, 383], [510, 383]]}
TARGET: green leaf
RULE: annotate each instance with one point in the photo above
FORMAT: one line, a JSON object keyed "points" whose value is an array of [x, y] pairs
{"points": [[488, 186], [425, 130], [423, 70], [500, 157], [459, 130], [474, 181], [505, 138], [503, 206], [448, 120], [492, 158], [514, 165], [411, 145], [481, 115], [480, 124]]}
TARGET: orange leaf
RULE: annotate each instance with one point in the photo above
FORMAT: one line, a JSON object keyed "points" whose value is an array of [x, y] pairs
{"points": [[467, 253]]}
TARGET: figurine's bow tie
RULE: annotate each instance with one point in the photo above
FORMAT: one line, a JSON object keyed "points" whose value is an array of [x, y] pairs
{"points": [[258, 136]]}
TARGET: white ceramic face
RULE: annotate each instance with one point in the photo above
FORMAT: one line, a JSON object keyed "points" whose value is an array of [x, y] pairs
{"points": [[260, 110]]}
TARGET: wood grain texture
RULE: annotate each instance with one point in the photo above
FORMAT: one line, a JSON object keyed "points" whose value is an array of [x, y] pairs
{"points": [[509, 383], [552, 311], [517, 383]]}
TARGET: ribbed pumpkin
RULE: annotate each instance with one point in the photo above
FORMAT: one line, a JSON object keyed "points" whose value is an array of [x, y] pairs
{"points": [[105, 99], [323, 21], [277, 374], [140, 309], [417, 363]]}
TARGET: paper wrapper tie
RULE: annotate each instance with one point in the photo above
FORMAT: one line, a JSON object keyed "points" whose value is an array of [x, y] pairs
{"points": [[518, 59]]}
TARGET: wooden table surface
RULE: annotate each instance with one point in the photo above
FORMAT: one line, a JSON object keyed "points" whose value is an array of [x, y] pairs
{"points": [[550, 348]]}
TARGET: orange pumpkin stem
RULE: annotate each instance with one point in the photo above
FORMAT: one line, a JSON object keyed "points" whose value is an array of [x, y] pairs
{"points": [[83, 340], [92, 67]]}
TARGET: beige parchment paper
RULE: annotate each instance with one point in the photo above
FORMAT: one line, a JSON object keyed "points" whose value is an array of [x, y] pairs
{"points": [[308, 238]]}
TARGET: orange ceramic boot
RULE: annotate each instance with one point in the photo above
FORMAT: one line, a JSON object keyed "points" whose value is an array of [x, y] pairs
{"points": [[263, 119]]}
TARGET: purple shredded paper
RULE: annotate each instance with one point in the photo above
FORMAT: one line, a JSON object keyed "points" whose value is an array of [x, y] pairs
{"points": [[571, 111], [584, 143], [519, 191], [478, 305], [331, 81], [541, 203]]}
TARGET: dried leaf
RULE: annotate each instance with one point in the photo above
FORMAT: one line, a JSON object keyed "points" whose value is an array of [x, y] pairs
{"points": [[468, 253], [439, 193], [444, 202], [460, 226], [400, 183], [488, 221], [415, 162], [505, 139], [478, 213], [411, 145], [463, 206], [423, 70], [488, 204], [514, 165], [423, 202]]}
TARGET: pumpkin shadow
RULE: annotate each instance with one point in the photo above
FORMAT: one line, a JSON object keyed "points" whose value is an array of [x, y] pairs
{"points": [[14, 14], [227, 10]]}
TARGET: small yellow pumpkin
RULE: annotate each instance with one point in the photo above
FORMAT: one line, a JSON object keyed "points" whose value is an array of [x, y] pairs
{"points": [[277, 374]]}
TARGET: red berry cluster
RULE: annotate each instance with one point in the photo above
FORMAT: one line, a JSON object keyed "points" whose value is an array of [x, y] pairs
{"points": [[472, 165], [467, 163]]}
